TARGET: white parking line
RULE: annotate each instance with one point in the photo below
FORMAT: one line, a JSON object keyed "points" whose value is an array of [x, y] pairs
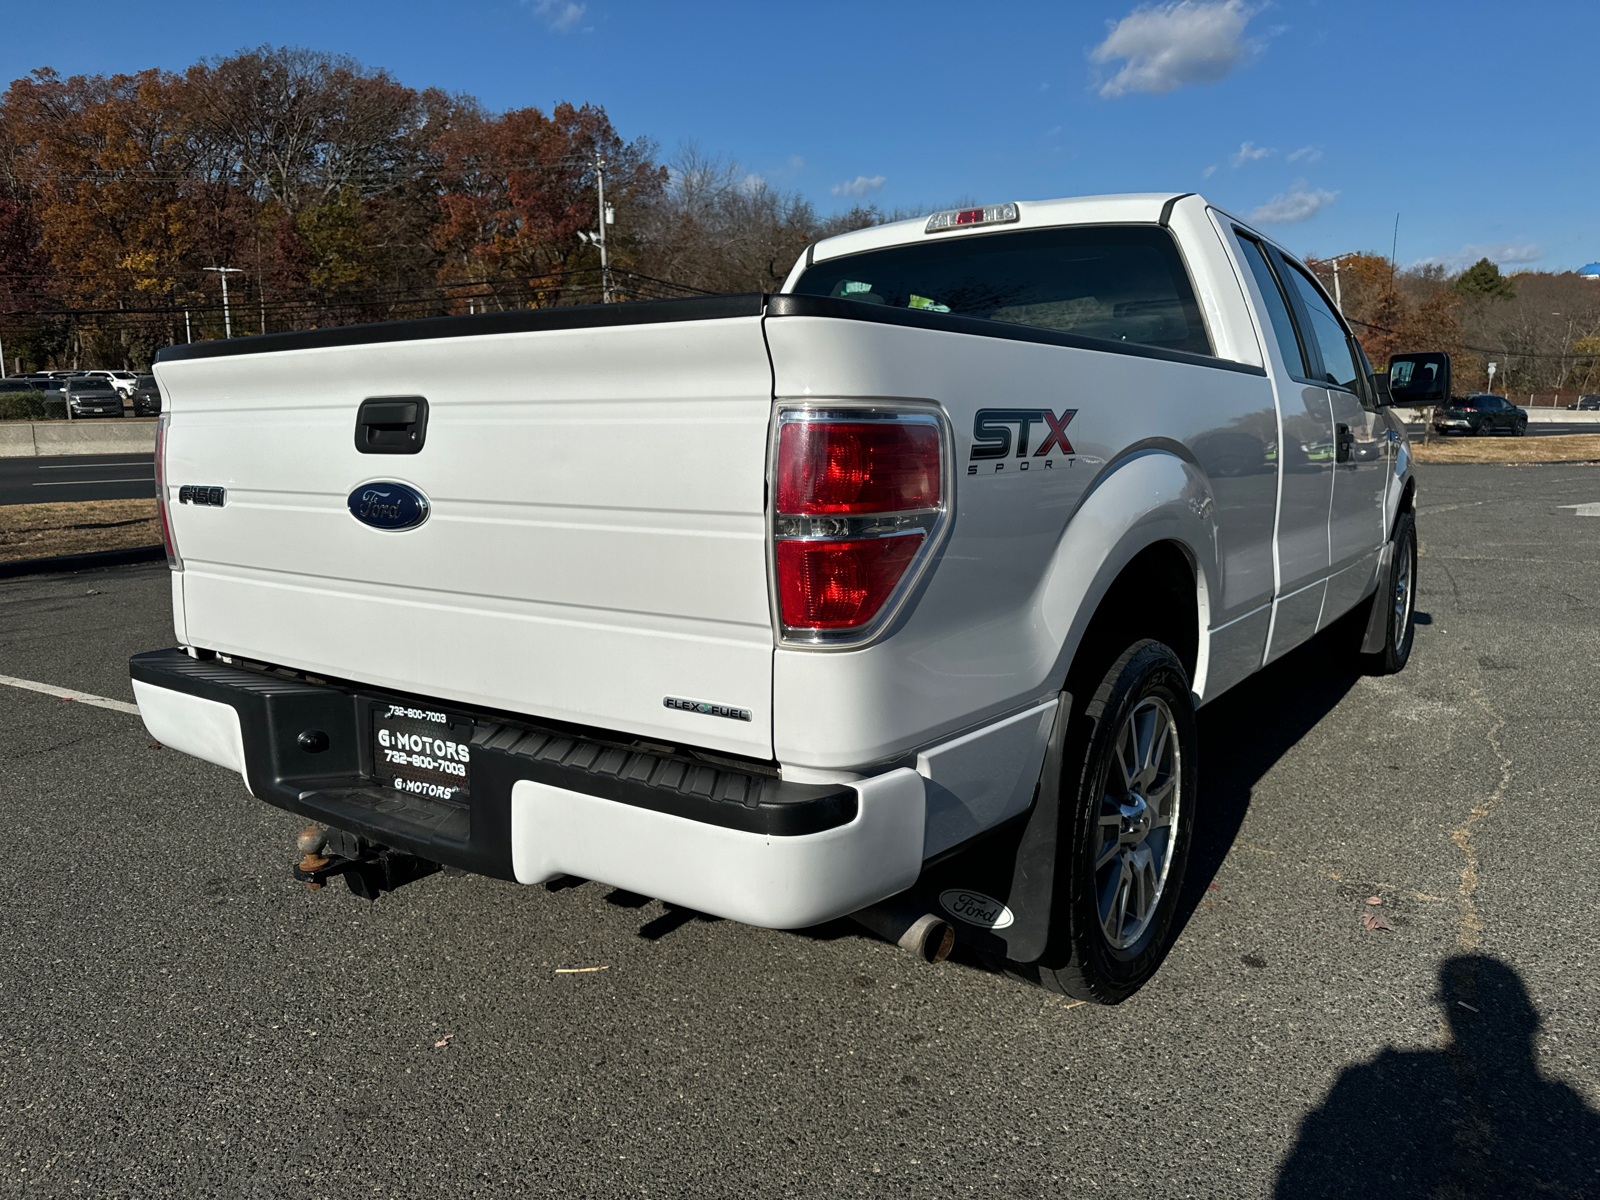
{"points": [[81, 482], [93, 466], [1583, 510], [61, 693]]}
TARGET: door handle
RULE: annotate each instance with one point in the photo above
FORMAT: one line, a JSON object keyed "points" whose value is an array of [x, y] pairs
{"points": [[1342, 443], [391, 424]]}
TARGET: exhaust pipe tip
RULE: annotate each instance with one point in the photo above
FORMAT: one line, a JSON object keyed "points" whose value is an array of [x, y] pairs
{"points": [[929, 936]]}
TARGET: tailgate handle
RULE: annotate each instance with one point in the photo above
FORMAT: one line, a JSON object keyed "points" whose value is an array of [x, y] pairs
{"points": [[391, 425]]}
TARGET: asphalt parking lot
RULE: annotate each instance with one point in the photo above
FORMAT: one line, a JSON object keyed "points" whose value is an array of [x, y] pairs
{"points": [[182, 1018]]}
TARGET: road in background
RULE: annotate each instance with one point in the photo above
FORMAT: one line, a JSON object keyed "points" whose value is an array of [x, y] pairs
{"points": [[77, 477], [1535, 429], [182, 1018]]}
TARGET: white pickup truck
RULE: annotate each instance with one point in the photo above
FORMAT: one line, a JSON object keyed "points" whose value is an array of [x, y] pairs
{"points": [[890, 594]]}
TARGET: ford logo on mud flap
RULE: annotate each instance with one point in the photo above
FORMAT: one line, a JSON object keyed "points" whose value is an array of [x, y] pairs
{"points": [[976, 909], [386, 505]]}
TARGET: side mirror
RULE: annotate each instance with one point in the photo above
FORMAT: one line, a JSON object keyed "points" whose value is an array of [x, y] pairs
{"points": [[1419, 380]]}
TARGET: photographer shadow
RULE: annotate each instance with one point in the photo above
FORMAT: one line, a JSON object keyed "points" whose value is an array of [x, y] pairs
{"points": [[1475, 1119]]}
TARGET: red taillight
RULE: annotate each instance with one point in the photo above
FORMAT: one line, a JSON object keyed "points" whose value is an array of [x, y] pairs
{"points": [[857, 496], [856, 467], [840, 585], [167, 540]]}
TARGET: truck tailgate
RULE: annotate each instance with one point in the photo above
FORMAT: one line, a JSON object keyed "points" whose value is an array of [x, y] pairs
{"points": [[595, 543]]}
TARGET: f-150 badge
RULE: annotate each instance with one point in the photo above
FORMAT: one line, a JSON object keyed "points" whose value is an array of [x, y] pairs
{"points": [[387, 505], [996, 431]]}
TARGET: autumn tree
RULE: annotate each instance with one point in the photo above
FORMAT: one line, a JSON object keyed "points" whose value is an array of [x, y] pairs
{"points": [[719, 228], [517, 187]]}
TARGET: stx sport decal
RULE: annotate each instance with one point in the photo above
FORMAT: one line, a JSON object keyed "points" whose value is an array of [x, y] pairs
{"points": [[991, 435]]}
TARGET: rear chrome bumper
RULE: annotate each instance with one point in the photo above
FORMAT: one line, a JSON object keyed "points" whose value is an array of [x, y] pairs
{"points": [[734, 843]]}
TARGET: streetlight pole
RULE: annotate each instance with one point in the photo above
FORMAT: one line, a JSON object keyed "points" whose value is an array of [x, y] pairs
{"points": [[227, 318]]}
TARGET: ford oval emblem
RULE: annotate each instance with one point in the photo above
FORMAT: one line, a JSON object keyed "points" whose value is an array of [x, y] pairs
{"points": [[387, 505], [976, 909]]}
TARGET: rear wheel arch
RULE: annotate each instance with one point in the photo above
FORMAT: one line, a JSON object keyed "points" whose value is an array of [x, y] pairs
{"points": [[1125, 566], [1158, 594]]}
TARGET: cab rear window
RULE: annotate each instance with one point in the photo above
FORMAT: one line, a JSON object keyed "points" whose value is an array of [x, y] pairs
{"points": [[1123, 283]]}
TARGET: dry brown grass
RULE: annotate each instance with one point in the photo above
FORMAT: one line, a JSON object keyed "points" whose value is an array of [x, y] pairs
{"points": [[45, 530], [1572, 447]]}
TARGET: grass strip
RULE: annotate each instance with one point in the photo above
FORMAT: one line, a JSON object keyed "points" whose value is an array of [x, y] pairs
{"points": [[46, 530], [1568, 447]]}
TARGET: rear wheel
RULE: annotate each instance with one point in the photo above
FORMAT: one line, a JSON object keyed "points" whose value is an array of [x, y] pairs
{"points": [[1478, 427], [1128, 786]]}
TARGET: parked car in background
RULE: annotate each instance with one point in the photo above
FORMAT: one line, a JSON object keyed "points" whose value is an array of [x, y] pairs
{"points": [[1479, 414], [1589, 403], [123, 381], [93, 398], [146, 397]]}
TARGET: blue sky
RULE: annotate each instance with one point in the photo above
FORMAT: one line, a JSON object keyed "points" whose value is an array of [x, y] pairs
{"points": [[1475, 122]]}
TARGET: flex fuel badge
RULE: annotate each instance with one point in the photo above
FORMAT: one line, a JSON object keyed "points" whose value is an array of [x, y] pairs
{"points": [[708, 710]]}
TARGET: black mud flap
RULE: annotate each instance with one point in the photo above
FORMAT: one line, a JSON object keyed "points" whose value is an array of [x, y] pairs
{"points": [[1377, 631], [999, 891]]}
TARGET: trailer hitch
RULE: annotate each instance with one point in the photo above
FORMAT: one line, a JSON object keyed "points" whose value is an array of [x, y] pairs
{"points": [[368, 868]]}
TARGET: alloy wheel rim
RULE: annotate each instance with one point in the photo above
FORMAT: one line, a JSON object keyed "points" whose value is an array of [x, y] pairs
{"points": [[1403, 594], [1138, 823]]}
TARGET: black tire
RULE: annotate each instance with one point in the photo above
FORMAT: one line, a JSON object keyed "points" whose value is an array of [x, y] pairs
{"points": [[1082, 960], [1478, 427], [1521, 427], [1399, 629]]}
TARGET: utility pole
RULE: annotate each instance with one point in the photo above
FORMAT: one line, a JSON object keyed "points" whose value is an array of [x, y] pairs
{"points": [[227, 318], [188, 330], [605, 214], [1338, 293]]}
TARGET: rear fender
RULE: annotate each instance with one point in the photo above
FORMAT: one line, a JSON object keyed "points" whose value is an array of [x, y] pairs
{"points": [[1149, 495]]}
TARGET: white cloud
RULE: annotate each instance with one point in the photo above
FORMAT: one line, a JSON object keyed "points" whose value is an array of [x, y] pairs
{"points": [[1168, 46], [1309, 154], [561, 15], [1209, 171], [1503, 254], [1248, 152], [859, 186], [751, 184], [1299, 203]]}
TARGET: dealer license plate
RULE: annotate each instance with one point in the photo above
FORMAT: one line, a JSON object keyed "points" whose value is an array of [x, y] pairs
{"points": [[421, 751]]}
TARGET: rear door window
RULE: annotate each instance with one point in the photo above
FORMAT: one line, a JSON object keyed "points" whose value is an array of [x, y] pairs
{"points": [[1123, 283], [1294, 356], [1338, 363]]}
